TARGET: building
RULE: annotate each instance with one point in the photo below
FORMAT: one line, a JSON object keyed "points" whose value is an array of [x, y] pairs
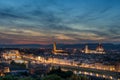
{"points": [[56, 51], [99, 50], [11, 54], [4, 70], [1, 71], [117, 67]]}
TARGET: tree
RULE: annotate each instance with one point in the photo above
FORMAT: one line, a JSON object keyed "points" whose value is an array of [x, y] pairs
{"points": [[8, 77], [1, 78], [59, 72], [75, 77], [52, 77], [27, 78], [79, 77]]}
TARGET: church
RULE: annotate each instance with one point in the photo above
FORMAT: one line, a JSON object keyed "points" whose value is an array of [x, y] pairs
{"points": [[99, 50], [56, 51]]}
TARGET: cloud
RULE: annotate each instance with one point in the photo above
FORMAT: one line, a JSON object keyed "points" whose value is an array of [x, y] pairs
{"points": [[63, 37], [62, 20]]}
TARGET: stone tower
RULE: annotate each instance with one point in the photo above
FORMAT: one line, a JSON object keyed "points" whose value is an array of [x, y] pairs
{"points": [[86, 49], [54, 46]]}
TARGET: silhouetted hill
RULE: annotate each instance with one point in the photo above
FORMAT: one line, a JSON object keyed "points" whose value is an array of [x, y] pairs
{"points": [[91, 46], [20, 46]]}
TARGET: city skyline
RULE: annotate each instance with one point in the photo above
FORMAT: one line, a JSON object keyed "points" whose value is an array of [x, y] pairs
{"points": [[64, 21]]}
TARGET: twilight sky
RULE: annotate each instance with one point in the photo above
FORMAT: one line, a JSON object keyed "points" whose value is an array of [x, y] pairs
{"points": [[64, 21]]}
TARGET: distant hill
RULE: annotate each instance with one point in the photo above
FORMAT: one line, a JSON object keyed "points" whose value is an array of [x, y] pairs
{"points": [[20, 45], [91, 46]]}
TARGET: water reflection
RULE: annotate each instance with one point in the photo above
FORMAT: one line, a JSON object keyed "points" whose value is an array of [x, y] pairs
{"points": [[96, 75]]}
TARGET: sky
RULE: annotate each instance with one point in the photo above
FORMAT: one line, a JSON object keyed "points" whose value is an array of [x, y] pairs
{"points": [[63, 21]]}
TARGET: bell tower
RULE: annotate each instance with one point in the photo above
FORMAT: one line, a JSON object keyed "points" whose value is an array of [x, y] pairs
{"points": [[54, 46], [86, 49]]}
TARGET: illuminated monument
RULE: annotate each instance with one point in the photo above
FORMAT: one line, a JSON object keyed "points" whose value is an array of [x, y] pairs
{"points": [[55, 51], [99, 50]]}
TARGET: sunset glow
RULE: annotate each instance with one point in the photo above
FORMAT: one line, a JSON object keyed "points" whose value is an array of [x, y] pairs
{"points": [[65, 21]]}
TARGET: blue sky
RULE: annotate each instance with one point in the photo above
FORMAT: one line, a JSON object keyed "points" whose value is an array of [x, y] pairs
{"points": [[64, 21]]}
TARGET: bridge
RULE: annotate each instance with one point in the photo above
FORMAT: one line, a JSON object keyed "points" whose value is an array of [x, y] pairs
{"points": [[91, 72], [81, 70]]}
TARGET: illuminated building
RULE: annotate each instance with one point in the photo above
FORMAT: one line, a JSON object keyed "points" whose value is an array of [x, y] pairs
{"points": [[11, 54], [6, 70], [1, 71], [87, 49], [55, 51], [99, 50], [117, 67]]}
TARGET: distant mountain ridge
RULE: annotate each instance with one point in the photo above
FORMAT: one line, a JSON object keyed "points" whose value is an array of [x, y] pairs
{"points": [[91, 45]]}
